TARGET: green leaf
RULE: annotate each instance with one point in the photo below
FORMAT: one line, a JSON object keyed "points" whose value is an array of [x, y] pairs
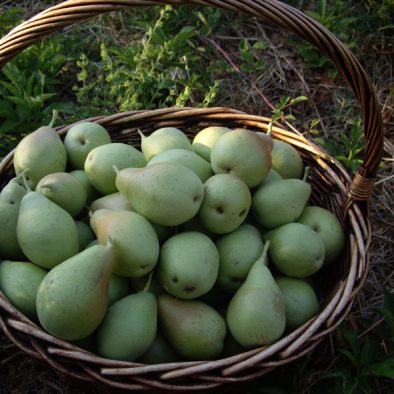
{"points": [[352, 340], [383, 369], [350, 357], [298, 99]]}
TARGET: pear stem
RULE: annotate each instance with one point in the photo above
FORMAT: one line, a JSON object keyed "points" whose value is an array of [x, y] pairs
{"points": [[305, 174], [116, 169], [141, 134], [147, 286], [25, 182], [55, 115], [269, 131], [265, 249]]}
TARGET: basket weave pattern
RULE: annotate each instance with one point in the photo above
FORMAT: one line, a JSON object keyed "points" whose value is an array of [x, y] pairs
{"points": [[332, 187]]}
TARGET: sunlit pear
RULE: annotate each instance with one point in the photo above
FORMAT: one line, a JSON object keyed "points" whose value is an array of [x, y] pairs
{"points": [[206, 138]]}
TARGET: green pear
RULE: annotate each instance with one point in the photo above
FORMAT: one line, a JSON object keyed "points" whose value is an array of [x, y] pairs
{"points": [[206, 138], [188, 265], [159, 352], [118, 288], [40, 153], [91, 193], [163, 139], [238, 251], [135, 242], [64, 190], [19, 281], [194, 329], [328, 226], [280, 202], [272, 176], [10, 200], [301, 301], [187, 158], [81, 139], [46, 233], [115, 201], [296, 250], [163, 232], [256, 314], [73, 297], [129, 327], [286, 160], [165, 193], [226, 203], [100, 162], [242, 153], [85, 234]]}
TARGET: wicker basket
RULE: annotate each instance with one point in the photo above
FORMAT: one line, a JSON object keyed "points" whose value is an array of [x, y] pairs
{"points": [[333, 188]]}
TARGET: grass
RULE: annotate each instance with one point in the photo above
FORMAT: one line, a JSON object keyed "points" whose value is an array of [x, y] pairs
{"points": [[156, 61]]}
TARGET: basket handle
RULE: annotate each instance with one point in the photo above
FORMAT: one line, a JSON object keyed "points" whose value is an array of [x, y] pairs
{"points": [[72, 11]]}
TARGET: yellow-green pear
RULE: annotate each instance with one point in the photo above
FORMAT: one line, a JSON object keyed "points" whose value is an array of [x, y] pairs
{"points": [[238, 251], [165, 193], [206, 138], [129, 327], [73, 297], [242, 153], [256, 315], [40, 153], [10, 200], [135, 242], [226, 203], [46, 233], [296, 250], [115, 201], [81, 139], [188, 265], [100, 162], [85, 234], [328, 226], [280, 202], [91, 193], [272, 176], [19, 281], [64, 190], [266, 137], [195, 330], [163, 139], [286, 160], [187, 158], [118, 288], [301, 301]]}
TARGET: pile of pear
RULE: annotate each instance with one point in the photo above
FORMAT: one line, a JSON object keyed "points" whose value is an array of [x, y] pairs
{"points": [[185, 249]]}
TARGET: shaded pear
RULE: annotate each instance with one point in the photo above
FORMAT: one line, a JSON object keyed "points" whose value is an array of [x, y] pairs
{"points": [[85, 234], [237, 251], [272, 176], [188, 265], [46, 233], [256, 313], [159, 352], [165, 193], [91, 193], [301, 301], [40, 153], [266, 137], [10, 200], [100, 162], [194, 329], [206, 138], [118, 288], [64, 190], [115, 201], [129, 327], [163, 139], [135, 242], [280, 202], [73, 298], [242, 153], [286, 160], [328, 226], [19, 281], [296, 250], [187, 158]]}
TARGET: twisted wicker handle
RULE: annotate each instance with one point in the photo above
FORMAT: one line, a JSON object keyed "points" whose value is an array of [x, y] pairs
{"points": [[72, 11]]}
